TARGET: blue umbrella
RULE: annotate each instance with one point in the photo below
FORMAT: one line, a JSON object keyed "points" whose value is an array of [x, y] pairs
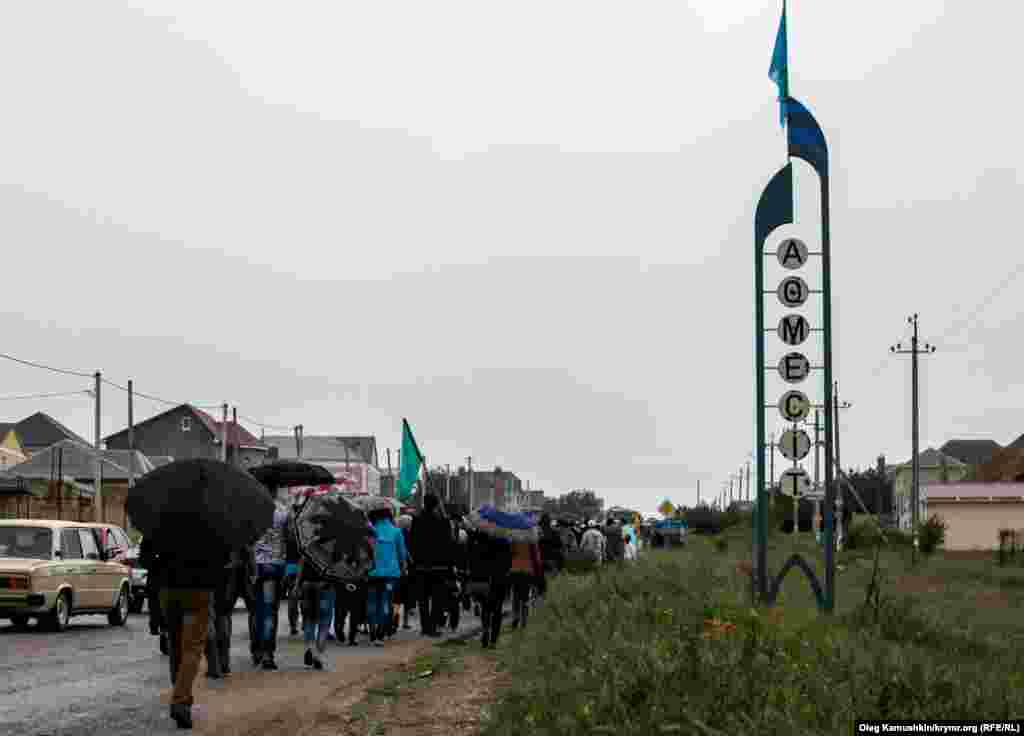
{"points": [[506, 519]]}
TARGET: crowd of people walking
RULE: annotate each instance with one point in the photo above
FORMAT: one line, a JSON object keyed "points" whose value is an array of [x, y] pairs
{"points": [[426, 565]]}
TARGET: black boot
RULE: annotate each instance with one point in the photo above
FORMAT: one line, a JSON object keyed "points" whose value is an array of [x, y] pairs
{"points": [[182, 715]]}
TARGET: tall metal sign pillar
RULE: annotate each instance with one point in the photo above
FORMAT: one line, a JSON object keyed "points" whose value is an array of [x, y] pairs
{"points": [[805, 141]]}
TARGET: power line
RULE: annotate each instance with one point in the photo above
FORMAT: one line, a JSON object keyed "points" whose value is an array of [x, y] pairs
{"points": [[44, 396], [959, 325], [263, 425], [46, 367], [157, 398]]}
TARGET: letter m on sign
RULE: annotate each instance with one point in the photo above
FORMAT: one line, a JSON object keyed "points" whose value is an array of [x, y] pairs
{"points": [[794, 329]]}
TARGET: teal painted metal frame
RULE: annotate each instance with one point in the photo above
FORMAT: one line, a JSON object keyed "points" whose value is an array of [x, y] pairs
{"points": [[806, 141]]}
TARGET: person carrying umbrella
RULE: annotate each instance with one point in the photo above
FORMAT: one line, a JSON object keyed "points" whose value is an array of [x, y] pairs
{"points": [[292, 557], [350, 603], [269, 556], [194, 512], [490, 560], [390, 556], [434, 553], [318, 598]]}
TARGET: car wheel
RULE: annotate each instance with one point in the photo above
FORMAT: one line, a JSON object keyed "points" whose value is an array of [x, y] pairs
{"points": [[20, 622], [119, 613], [135, 606], [58, 618]]}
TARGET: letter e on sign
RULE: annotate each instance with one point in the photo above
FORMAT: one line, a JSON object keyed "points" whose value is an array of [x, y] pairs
{"points": [[794, 406], [792, 253], [793, 291], [793, 329], [794, 367]]}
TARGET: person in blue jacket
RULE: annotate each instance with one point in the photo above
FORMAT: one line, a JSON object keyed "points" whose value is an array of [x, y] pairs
{"points": [[390, 557]]}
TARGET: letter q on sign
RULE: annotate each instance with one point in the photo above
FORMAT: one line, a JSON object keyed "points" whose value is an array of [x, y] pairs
{"points": [[793, 291]]}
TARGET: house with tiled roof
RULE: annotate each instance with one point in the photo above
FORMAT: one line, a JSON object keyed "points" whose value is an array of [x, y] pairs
{"points": [[37, 432], [973, 452], [186, 432]]}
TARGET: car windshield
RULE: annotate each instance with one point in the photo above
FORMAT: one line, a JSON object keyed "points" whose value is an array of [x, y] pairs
{"points": [[35, 542]]}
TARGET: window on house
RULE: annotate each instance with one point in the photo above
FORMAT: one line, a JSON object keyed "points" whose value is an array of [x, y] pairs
{"points": [[186, 424]]}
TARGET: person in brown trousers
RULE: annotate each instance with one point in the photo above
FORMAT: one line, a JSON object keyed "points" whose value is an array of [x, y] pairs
{"points": [[189, 578]]}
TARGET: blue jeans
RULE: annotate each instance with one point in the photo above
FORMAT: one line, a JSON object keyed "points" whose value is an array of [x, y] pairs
{"points": [[378, 601], [268, 598], [315, 628]]}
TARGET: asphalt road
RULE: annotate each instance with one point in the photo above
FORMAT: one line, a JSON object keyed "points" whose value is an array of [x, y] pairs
{"points": [[100, 680]]}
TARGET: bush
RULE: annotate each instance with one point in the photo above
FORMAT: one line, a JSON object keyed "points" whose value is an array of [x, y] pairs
{"points": [[864, 534], [932, 534]]}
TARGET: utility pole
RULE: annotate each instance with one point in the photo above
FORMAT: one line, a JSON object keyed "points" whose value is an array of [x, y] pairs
{"points": [[98, 462], [298, 447], [131, 438], [469, 464], [840, 527], [224, 433], [817, 482], [234, 422], [915, 494], [447, 483], [698, 492]]}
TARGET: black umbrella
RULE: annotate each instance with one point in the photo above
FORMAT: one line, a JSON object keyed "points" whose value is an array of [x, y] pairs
{"points": [[201, 503], [334, 537], [289, 473]]}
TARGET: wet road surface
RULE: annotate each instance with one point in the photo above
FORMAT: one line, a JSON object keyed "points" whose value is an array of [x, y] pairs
{"points": [[100, 680]]}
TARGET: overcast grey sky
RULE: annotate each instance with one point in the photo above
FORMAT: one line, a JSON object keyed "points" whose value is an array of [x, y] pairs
{"points": [[525, 226]]}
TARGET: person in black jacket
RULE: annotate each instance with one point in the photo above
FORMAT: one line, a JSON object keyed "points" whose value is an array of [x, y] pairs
{"points": [[490, 561], [149, 560], [433, 549], [189, 576], [551, 551], [292, 557]]}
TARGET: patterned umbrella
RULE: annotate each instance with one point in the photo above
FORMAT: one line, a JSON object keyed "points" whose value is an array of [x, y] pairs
{"points": [[503, 525], [334, 536]]}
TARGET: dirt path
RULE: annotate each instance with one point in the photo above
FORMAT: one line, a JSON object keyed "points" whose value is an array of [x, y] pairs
{"points": [[303, 703]]}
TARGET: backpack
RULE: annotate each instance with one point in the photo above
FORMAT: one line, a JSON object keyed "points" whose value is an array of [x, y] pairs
{"points": [[591, 544]]}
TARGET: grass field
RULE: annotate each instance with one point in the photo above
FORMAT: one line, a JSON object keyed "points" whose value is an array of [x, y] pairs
{"points": [[671, 644]]}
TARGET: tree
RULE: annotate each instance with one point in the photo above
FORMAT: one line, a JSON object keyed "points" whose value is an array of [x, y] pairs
{"points": [[579, 504]]}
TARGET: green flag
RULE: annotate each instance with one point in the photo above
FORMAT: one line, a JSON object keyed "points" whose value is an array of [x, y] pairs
{"points": [[411, 461]]}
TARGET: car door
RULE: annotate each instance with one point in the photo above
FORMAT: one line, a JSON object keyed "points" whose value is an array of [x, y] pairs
{"points": [[92, 568], [71, 564], [115, 549]]}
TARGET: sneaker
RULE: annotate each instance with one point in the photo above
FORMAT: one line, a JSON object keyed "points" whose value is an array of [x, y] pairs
{"points": [[317, 663], [293, 632], [257, 659], [269, 663], [308, 661], [352, 643], [378, 643]]}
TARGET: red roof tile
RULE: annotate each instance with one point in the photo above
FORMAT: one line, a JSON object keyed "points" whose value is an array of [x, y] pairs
{"points": [[238, 436]]}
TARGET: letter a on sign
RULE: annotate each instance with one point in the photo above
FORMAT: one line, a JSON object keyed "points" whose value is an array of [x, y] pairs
{"points": [[793, 329], [792, 253]]}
